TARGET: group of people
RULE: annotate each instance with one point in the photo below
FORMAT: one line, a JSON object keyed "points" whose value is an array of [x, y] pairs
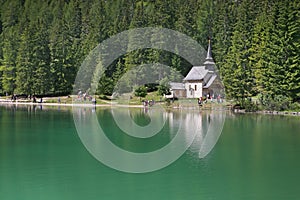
{"points": [[208, 97], [85, 96], [35, 101], [14, 98], [147, 102]]}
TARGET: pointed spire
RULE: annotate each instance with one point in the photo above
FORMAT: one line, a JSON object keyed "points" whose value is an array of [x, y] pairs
{"points": [[209, 62], [209, 56]]}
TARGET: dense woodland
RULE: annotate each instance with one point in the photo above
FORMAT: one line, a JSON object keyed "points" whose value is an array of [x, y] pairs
{"points": [[255, 43]]}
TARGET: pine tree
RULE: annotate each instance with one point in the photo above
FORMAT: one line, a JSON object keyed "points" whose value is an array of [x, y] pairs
{"points": [[224, 19], [236, 71], [25, 78], [42, 59], [186, 19], [204, 20], [292, 49], [74, 55], [66, 55], [1, 55], [8, 68], [261, 47], [281, 75], [119, 16], [138, 56], [9, 28], [255, 42], [95, 26], [58, 46]]}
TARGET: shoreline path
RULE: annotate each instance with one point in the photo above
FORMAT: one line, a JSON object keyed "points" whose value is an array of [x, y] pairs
{"points": [[8, 102]]}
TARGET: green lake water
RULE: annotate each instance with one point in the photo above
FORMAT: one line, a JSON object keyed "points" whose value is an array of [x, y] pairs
{"points": [[42, 157]]}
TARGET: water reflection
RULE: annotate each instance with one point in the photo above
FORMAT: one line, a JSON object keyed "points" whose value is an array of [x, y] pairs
{"points": [[183, 129], [41, 155], [33, 108], [142, 131], [21, 107], [199, 130]]}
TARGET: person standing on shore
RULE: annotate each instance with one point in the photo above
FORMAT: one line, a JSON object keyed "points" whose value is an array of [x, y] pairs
{"points": [[94, 101], [200, 101]]}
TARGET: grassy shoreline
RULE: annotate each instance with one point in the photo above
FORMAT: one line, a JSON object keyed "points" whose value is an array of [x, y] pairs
{"points": [[184, 104]]}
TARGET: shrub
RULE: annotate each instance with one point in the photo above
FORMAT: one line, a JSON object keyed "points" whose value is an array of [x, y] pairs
{"points": [[295, 106], [168, 102], [277, 102], [140, 91], [250, 106]]}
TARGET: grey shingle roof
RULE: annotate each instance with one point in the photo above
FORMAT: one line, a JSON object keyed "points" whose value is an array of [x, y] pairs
{"points": [[196, 73], [177, 86], [211, 80]]}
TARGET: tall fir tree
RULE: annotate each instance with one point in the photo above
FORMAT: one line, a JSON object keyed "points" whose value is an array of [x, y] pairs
{"points": [[292, 49], [8, 64], [42, 59], [224, 19], [1, 55], [261, 47], [236, 71], [10, 19], [255, 43], [25, 77]]}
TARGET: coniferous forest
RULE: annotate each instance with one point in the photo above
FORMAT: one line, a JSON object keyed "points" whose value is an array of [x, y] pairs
{"points": [[255, 43]]}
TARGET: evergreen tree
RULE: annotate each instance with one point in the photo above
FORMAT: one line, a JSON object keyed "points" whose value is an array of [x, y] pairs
{"points": [[255, 43], [66, 55], [139, 20], [8, 66], [261, 50], [74, 55], [224, 19], [204, 21], [292, 49], [58, 45], [9, 27], [41, 51], [277, 67], [1, 55], [236, 71], [25, 78]]}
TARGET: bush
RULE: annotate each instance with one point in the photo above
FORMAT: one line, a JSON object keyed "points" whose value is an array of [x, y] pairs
{"points": [[168, 102], [163, 90], [277, 102], [140, 91], [151, 87], [250, 106], [295, 106]]}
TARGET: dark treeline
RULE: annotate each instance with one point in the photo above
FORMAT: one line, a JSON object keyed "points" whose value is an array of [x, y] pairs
{"points": [[256, 43]]}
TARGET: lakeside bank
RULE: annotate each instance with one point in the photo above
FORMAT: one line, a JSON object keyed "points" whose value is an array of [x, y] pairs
{"points": [[177, 106]]}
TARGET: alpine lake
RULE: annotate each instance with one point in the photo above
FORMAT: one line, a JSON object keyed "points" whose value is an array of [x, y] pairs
{"points": [[42, 156]]}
